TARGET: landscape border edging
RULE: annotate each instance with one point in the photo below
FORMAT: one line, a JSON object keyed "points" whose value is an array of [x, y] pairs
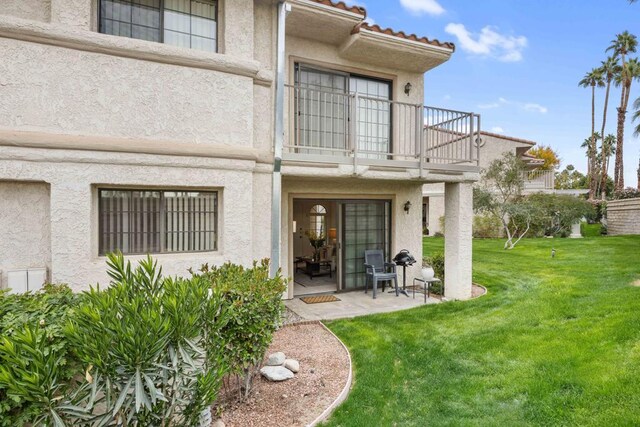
{"points": [[345, 390]]}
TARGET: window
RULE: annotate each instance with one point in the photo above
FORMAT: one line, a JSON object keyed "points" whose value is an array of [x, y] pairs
{"points": [[317, 220], [152, 221], [186, 23]]}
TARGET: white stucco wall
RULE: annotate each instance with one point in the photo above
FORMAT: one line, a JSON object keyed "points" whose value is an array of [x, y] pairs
{"points": [[73, 179], [37, 10], [25, 227], [76, 92], [312, 52]]}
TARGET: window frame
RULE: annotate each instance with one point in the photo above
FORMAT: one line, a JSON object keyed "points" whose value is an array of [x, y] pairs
{"points": [[161, 8], [162, 213]]}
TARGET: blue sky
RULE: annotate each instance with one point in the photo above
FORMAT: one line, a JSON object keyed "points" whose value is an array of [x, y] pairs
{"points": [[518, 63]]}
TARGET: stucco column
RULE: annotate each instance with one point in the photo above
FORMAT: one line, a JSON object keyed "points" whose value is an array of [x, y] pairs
{"points": [[71, 242], [458, 199]]}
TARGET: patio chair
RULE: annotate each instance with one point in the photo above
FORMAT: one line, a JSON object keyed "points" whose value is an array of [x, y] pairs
{"points": [[378, 270]]}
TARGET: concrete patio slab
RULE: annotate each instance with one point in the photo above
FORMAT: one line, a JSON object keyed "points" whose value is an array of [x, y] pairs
{"points": [[357, 303]]}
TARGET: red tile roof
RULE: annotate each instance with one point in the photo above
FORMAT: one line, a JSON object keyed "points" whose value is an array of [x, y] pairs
{"points": [[342, 5], [401, 34]]}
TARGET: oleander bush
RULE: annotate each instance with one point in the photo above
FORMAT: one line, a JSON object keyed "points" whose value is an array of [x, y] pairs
{"points": [[36, 369], [256, 311], [148, 350]]}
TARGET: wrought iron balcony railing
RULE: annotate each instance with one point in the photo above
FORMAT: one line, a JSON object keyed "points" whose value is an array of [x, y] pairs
{"points": [[339, 127]]}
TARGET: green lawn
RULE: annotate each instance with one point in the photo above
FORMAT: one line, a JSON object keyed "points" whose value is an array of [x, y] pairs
{"points": [[555, 342]]}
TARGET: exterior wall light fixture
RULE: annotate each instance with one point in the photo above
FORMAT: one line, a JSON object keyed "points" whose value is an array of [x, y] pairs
{"points": [[407, 88], [407, 206]]}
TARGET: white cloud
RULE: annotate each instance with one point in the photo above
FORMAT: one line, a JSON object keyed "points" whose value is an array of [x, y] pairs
{"points": [[527, 106], [420, 7], [370, 21], [489, 42], [535, 107], [497, 129], [446, 97]]}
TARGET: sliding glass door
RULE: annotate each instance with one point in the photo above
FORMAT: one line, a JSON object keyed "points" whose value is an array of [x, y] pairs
{"points": [[323, 103], [366, 225], [322, 106]]}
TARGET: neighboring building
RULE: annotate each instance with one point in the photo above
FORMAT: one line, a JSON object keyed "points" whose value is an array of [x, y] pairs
{"points": [[187, 128], [492, 147]]}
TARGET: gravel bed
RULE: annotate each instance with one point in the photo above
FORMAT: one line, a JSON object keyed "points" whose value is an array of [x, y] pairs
{"points": [[323, 374], [289, 316]]}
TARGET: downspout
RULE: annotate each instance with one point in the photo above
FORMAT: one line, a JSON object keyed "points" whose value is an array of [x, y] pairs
{"points": [[278, 141]]}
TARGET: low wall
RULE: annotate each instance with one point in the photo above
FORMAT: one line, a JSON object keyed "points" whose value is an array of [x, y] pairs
{"points": [[623, 217]]}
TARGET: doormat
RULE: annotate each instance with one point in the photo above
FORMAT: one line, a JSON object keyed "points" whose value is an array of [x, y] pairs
{"points": [[320, 298]]}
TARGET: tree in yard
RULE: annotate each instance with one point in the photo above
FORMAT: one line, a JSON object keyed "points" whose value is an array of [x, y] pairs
{"points": [[591, 150], [500, 195], [624, 44], [592, 79], [550, 157], [607, 150], [570, 179], [608, 70]]}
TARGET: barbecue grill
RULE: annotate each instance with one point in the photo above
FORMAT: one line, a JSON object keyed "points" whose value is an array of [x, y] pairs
{"points": [[404, 259]]}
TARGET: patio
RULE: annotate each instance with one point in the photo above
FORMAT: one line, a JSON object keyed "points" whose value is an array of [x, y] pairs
{"points": [[357, 303]]}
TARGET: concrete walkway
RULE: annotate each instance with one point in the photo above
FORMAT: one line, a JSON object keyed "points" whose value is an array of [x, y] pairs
{"points": [[357, 303]]}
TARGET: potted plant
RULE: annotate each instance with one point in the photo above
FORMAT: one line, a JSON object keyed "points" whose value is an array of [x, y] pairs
{"points": [[427, 271], [316, 239]]}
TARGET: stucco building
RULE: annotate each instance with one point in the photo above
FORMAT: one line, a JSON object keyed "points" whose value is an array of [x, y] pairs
{"points": [[492, 146], [212, 131]]}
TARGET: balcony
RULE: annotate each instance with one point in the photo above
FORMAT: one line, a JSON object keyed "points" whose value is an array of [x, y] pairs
{"points": [[341, 128], [539, 181]]}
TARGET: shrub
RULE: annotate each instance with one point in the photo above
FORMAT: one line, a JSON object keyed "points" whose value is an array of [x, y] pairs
{"points": [[598, 211], [486, 226], [35, 366], [554, 215], [436, 261], [150, 346], [627, 193], [256, 310]]}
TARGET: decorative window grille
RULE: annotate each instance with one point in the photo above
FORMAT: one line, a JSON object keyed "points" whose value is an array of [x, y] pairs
{"points": [[152, 221]]}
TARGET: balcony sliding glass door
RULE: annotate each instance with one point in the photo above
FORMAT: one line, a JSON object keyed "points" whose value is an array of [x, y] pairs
{"points": [[323, 108]]}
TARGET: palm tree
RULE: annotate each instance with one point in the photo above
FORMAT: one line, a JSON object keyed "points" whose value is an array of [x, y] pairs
{"points": [[589, 148], [608, 69], [592, 79], [624, 44], [608, 149]]}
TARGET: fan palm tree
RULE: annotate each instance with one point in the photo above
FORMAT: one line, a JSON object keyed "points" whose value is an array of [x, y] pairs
{"points": [[608, 69], [624, 44], [592, 79], [608, 149]]}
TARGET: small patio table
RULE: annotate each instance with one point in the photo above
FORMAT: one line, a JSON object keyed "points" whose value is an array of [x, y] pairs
{"points": [[427, 286]]}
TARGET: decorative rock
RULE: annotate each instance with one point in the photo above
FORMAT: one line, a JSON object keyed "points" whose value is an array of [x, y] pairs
{"points": [[218, 423], [276, 373], [292, 365], [276, 359]]}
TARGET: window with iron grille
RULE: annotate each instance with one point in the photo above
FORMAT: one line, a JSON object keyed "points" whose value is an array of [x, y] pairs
{"points": [[152, 221], [186, 23]]}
